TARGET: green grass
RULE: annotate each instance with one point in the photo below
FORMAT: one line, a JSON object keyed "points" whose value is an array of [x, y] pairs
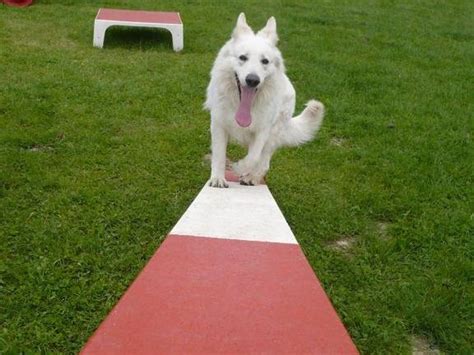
{"points": [[101, 152]]}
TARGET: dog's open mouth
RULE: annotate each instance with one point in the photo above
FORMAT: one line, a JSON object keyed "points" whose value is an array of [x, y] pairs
{"points": [[247, 94]]}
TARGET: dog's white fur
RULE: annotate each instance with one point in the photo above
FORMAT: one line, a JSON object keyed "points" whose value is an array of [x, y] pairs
{"points": [[272, 109]]}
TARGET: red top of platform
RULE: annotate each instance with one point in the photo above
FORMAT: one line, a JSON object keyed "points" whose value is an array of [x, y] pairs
{"points": [[139, 16], [17, 3]]}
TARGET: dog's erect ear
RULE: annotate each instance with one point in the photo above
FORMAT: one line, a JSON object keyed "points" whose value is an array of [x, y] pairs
{"points": [[241, 27], [269, 32]]}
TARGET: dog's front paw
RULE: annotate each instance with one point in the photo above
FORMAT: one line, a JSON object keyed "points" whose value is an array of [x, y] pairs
{"points": [[240, 168], [218, 182], [250, 180]]}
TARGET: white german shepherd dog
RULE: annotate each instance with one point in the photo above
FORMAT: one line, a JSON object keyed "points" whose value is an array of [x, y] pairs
{"points": [[252, 101]]}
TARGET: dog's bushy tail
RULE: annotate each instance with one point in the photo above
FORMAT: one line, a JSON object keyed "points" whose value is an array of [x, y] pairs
{"points": [[303, 127]]}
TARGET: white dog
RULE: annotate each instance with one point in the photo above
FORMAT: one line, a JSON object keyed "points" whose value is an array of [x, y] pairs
{"points": [[252, 101]]}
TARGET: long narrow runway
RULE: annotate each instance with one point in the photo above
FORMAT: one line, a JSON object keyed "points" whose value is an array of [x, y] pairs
{"points": [[229, 278]]}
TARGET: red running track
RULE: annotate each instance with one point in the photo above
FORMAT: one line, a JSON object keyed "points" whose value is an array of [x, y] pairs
{"points": [[211, 294]]}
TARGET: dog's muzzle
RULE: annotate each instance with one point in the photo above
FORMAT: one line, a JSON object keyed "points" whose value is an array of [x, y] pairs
{"points": [[238, 85], [252, 80]]}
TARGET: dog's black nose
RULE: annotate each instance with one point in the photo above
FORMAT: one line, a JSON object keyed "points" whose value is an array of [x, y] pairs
{"points": [[252, 80]]}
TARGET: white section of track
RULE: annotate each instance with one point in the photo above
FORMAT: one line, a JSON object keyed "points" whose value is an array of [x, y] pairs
{"points": [[238, 212]]}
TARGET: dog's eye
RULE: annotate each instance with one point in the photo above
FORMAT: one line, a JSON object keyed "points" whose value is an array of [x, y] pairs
{"points": [[243, 58], [265, 61]]}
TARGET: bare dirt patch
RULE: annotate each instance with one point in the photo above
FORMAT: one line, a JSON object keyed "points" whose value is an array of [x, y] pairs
{"points": [[337, 141], [343, 244], [382, 229], [39, 148], [421, 346]]}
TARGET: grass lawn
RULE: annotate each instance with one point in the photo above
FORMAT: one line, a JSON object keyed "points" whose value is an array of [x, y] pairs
{"points": [[101, 152]]}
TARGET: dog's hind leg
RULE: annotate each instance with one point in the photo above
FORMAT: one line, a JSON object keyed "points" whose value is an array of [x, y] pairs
{"points": [[218, 161]]}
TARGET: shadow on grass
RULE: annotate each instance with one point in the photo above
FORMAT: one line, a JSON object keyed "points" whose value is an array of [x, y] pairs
{"points": [[138, 38]]}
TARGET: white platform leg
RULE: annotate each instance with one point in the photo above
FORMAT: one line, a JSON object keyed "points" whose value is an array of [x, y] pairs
{"points": [[178, 40], [99, 33]]}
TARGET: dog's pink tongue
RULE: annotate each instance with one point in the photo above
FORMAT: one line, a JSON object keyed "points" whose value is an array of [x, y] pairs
{"points": [[243, 116]]}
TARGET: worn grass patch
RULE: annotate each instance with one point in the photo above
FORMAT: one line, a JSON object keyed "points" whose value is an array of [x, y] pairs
{"points": [[101, 152]]}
